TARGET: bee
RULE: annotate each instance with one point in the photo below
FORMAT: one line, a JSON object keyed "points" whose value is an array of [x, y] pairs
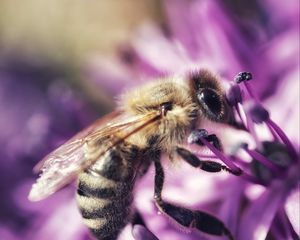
{"points": [[109, 156]]}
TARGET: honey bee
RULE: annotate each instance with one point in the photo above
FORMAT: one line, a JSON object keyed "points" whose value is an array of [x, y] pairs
{"points": [[109, 156]]}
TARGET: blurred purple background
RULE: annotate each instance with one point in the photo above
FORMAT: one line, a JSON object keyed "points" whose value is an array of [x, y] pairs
{"points": [[44, 100]]}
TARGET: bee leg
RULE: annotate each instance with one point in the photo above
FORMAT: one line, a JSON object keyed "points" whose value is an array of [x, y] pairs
{"points": [[208, 166], [199, 220]]}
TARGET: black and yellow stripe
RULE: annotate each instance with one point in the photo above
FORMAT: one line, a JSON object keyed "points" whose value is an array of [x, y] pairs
{"points": [[104, 193]]}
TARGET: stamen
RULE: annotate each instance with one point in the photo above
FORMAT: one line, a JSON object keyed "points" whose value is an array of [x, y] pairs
{"points": [[263, 160], [242, 114], [251, 178], [285, 223], [241, 162], [275, 136], [275, 231], [234, 95], [252, 131], [196, 135], [221, 156], [284, 139], [250, 92], [258, 113], [242, 77]]}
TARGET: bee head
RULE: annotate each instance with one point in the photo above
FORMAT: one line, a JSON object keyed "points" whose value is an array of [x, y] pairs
{"points": [[208, 94]]}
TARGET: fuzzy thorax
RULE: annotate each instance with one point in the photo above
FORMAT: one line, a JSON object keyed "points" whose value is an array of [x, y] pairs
{"points": [[172, 128]]}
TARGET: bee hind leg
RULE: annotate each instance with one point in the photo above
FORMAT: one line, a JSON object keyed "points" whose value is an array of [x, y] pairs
{"points": [[199, 220]]}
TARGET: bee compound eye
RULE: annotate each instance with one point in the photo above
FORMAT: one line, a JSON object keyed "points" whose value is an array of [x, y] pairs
{"points": [[211, 102]]}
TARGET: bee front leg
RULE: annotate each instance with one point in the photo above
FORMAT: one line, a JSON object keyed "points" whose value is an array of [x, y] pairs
{"points": [[207, 166], [201, 137], [188, 218]]}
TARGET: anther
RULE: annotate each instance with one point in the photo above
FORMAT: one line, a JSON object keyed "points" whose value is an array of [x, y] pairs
{"points": [[234, 95], [243, 76], [196, 135], [258, 113]]}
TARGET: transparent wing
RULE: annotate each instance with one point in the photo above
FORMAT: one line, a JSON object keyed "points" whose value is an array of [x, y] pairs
{"points": [[62, 165], [77, 140]]}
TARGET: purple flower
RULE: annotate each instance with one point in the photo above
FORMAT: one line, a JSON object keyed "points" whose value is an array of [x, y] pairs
{"points": [[209, 34], [39, 111], [262, 203]]}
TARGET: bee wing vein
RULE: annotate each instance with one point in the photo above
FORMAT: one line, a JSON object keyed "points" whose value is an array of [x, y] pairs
{"points": [[62, 165]]}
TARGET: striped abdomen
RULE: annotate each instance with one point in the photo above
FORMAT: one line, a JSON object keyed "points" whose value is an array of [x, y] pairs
{"points": [[104, 192]]}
